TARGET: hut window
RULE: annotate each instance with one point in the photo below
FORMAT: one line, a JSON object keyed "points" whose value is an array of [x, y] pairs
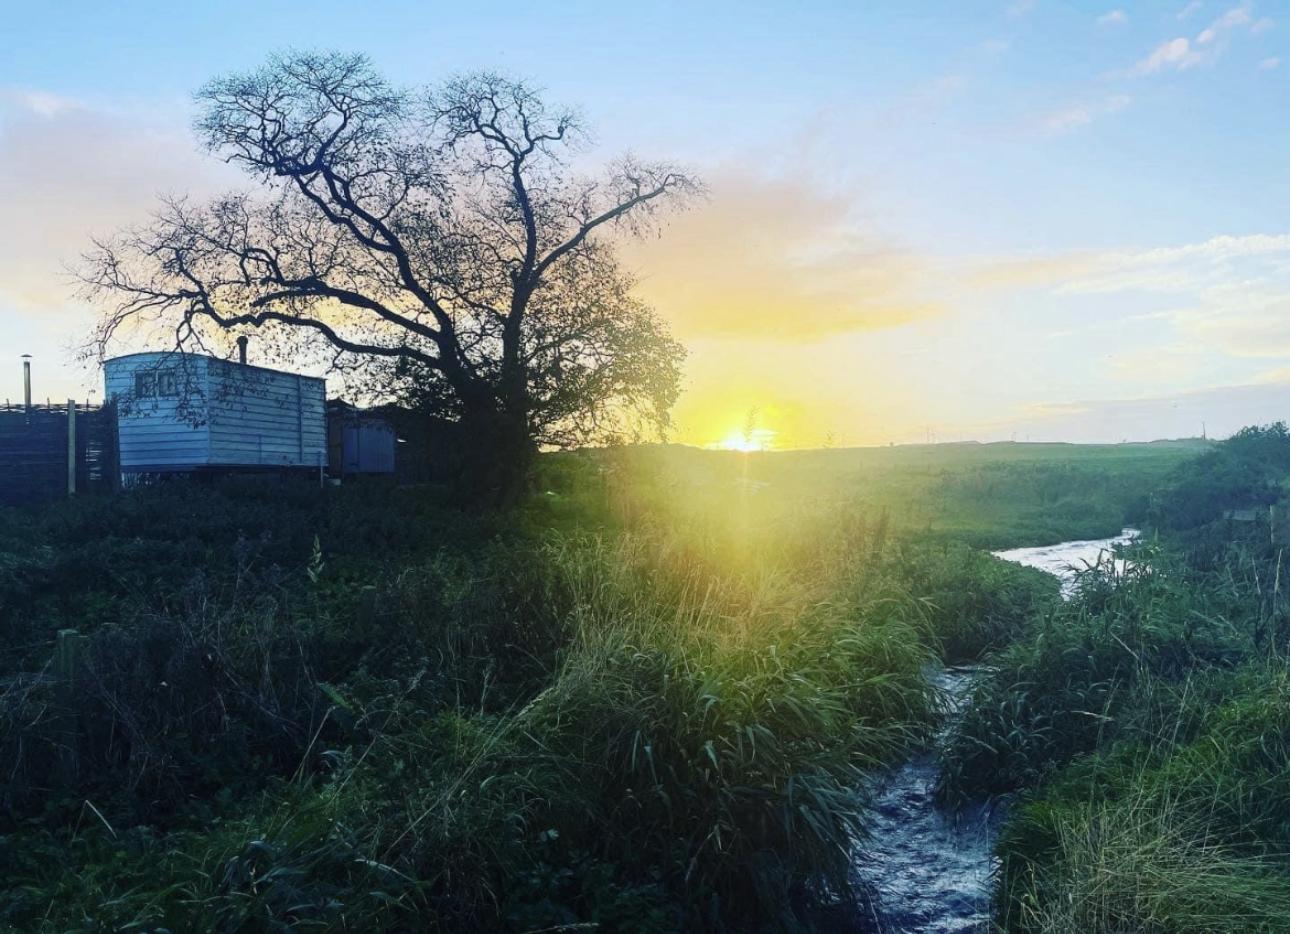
{"points": [[155, 384]]}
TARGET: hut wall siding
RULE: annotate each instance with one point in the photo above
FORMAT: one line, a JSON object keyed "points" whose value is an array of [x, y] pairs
{"points": [[153, 435], [265, 418], [245, 416]]}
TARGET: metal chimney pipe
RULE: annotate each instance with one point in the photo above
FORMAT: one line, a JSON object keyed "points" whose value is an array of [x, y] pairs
{"points": [[241, 349], [26, 382]]}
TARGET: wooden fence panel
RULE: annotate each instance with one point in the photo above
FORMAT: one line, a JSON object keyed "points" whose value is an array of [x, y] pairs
{"points": [[34, 452]]}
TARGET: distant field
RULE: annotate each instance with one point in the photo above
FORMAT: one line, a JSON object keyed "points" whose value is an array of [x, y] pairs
{"points": [[991, 495]]}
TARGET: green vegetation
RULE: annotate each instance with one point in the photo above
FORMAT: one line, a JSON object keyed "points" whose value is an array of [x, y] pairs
{"points": [[989, 495], [644, 701], [1146, 724]]}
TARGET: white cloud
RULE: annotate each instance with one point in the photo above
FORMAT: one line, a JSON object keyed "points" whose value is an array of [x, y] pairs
{"points": [[1244, 263], [1063, 121], [1212, 312], [1237, 16], [1181, 53], [1173, 53], [1268, 64], [1114, 18], [1079, 115], [1189, 9], [40, 103], [1189, 267]]}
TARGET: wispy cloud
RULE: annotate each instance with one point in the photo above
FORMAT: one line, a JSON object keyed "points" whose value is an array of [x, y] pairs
{"points": [[777, 257], [1219, 301], [1181, 52], [1237, 16], [1072, 118], [1113, 18], [1268, 64], [1027, 272], [1020, 7], [1175, 54], [1189, 266], [1189, 9], [37, 103]]}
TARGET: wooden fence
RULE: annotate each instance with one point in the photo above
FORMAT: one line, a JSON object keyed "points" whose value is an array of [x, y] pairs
{"points": [[50, 451]]}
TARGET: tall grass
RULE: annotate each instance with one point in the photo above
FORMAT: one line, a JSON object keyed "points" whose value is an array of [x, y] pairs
{"points": [[646, 702], [1144, 865], [665, 724]]}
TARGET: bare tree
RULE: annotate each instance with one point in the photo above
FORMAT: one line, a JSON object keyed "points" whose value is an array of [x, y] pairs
{"points": [[436, 243]]}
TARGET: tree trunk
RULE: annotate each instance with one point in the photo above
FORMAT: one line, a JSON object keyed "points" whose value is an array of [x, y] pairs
{"points": [[495, 457]]}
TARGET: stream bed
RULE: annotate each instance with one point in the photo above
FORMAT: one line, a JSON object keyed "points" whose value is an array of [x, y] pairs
{"points": [[932, 870]]}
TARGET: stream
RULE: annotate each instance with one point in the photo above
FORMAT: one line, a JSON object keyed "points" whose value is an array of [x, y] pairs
{"points": [[932, 870]]}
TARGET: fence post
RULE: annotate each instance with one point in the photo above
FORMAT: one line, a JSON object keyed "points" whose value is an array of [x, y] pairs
{"points": [[114, 443], [67, 663], [71, 447], [879, 536]]}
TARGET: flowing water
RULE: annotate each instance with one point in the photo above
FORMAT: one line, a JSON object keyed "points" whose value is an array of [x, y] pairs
{"points": [[1066, 559], [932, 870]]}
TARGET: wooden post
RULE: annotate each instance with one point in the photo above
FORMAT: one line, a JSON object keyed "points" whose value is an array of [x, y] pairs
{"points": [[66, 660], [114, 444], [879, 536], [71, 447], [66, 673], [300, 422]]}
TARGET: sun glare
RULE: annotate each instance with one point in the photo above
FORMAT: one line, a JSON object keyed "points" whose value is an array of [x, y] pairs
{"points": [[757, 440]]}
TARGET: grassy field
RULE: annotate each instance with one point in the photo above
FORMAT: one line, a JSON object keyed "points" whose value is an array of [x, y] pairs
{"points": [[644, 701], [991, 495]]}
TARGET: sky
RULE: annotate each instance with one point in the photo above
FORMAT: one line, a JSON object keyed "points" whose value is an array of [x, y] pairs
{"points": [[933, 221]]}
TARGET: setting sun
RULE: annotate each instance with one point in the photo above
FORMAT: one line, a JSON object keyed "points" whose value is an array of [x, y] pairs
{"points": [[759, 439]]}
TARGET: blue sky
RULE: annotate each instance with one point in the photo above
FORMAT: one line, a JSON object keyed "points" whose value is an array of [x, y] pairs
{"points": [[1057, 220]]}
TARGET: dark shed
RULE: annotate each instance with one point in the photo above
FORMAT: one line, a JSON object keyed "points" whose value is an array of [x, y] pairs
{"points": [[358, 441]]}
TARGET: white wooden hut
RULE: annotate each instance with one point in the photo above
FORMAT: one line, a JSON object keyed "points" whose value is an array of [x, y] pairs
{"points": [[184, 412]]}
